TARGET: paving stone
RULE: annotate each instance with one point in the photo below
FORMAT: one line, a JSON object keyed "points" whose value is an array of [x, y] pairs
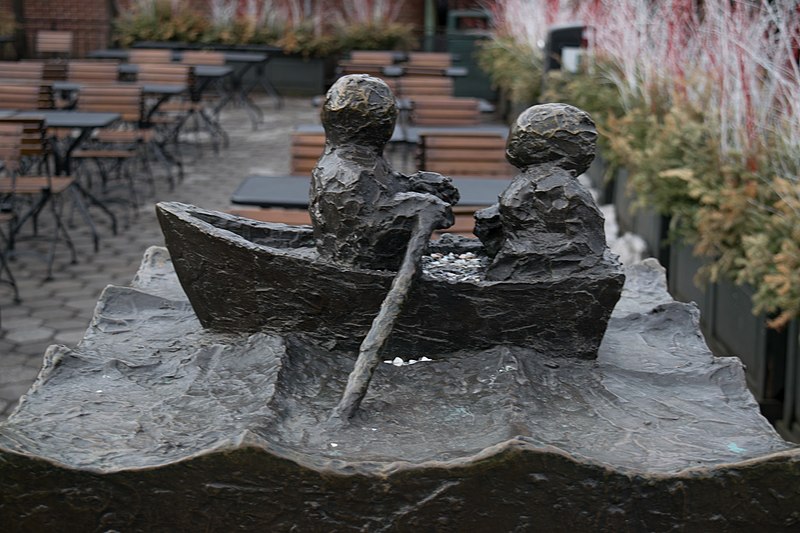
{"points": [[11, 359], [30, 335], [40, 303], [82, 304], [17, 374], [53, 313], [12, 391], [72, 323], [69, 337], [22, 322], [34, 349]]}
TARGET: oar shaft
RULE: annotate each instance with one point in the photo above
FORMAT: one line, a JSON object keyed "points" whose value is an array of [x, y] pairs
{"points": [[369, 352]]}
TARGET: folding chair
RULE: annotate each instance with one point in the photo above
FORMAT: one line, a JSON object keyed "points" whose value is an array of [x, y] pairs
{"points": [[22, 70], [150, 56], [168, 116], [93, 72], [463, 156], [54, 43], [27, 95], [112, 149], [29, 194]]}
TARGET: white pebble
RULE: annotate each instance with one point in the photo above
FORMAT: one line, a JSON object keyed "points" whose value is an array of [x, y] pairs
{"points": [[397, 361]]}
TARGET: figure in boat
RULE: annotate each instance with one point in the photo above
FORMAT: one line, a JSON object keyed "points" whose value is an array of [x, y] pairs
{"points": [[546, 224], [362, 211]]}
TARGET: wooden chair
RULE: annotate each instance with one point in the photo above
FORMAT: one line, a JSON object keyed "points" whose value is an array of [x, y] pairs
{"points": [[93, 72], [31, 193], [22, 70], [415, 86], [366, 62], [26, 96], [112, 148], [465, 154], [54, 43], [202, 57], [149, 55], [427, 63], [461, 156], [306, 149], [445, 111]]}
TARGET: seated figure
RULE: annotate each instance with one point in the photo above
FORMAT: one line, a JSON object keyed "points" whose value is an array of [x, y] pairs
{"points": [[546, 223], [362, 211]]}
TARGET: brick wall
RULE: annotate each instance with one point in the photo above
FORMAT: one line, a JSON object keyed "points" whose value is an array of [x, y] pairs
{"points": [[88, 20]]}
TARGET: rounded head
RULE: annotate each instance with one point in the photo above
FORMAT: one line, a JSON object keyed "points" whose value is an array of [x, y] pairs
{"points": [[552, 133], [359, 109]]}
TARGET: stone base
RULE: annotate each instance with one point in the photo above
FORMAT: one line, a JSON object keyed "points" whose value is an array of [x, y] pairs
{"points": [[153, 423]]}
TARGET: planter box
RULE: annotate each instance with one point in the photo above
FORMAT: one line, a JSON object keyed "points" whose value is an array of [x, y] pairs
{"points": [[683, 266], [734, 330], [597, 177], [295, 75], [789, 425], [649, 225]]}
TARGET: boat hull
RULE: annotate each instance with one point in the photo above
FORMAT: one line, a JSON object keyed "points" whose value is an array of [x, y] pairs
{"points": [[242, 275]]}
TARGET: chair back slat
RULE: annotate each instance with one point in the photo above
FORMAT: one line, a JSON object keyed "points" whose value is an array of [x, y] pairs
{"points": [[467, 154], [430, 59], [10, 144], [124, 99], [54, 42], [161, 74], [33, 134], [203, 57], [306, 150], [26, 96], [150, 55], [93, 71], [21, 70], [447, 111]]}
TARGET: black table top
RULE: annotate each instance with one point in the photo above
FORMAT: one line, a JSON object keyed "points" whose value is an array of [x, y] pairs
{"points": [[201, 71], [66, 118], [151, 88], [233, 57], [292, 191]]}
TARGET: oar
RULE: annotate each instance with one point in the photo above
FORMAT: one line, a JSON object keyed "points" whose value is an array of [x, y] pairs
{"points": [[369, 352]]}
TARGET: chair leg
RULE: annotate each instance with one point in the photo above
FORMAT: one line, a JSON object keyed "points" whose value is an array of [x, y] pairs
{"points": [[4, 268], [59, 229]]}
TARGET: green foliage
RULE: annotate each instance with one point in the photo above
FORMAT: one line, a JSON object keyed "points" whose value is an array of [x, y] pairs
{"points": [[303, 40], [513, 67], [372, 36], [160, 20], [7, 23]]}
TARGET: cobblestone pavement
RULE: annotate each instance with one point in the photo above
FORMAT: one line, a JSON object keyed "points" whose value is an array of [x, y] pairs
{"points": [[59, 311]]}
